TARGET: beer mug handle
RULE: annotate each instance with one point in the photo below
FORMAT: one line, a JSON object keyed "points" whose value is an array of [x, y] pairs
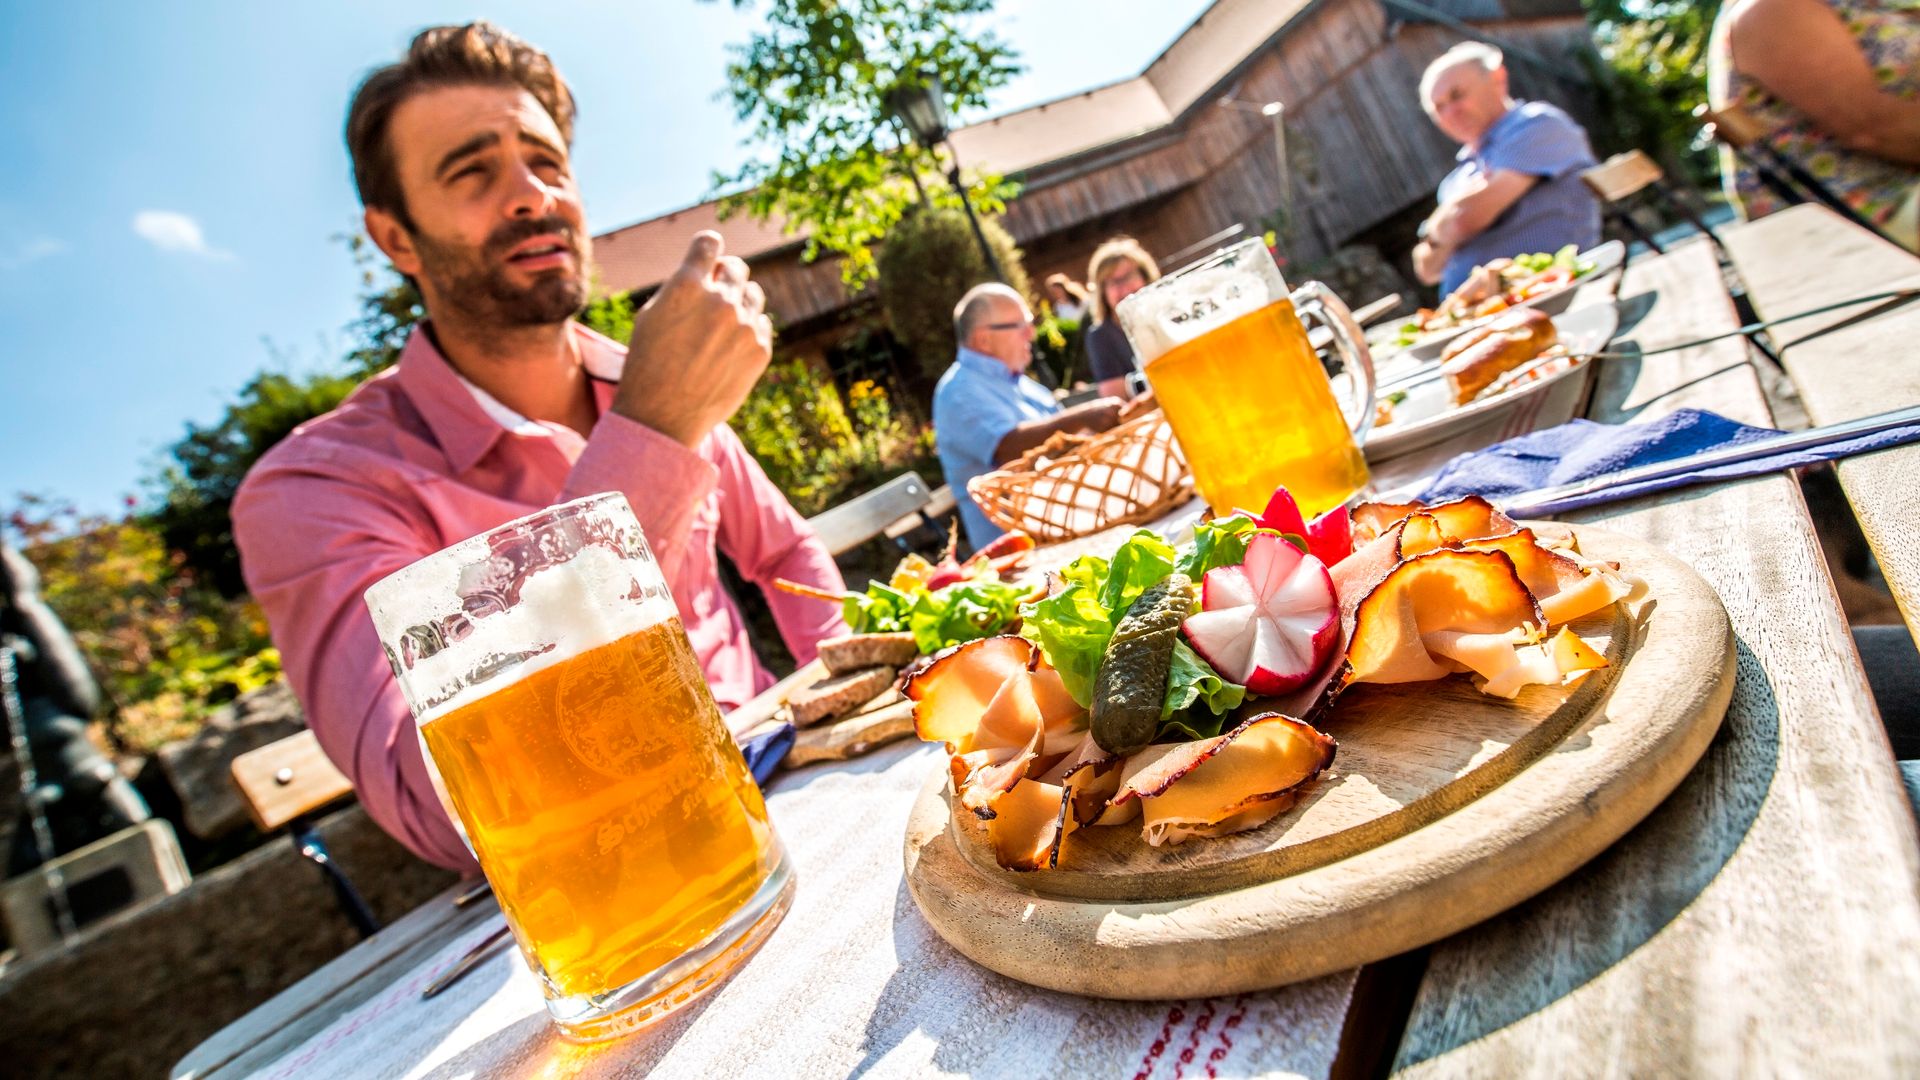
{"points": [[1316, 299]]}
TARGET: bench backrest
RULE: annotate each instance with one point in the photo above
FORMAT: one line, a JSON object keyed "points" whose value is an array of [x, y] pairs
{"points": [[851, 524]]}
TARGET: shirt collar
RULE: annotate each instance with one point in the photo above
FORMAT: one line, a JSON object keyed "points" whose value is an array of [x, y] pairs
{"points": [[465, 420], [983, 364], [1493, 130]]}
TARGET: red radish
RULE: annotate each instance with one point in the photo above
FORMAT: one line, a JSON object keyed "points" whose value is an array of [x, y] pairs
{"points": [[1270, 623], [1282, 515], [1330, 536]]}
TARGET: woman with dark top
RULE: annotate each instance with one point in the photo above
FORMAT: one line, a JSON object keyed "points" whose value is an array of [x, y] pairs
{"points": [[1119, 268]]}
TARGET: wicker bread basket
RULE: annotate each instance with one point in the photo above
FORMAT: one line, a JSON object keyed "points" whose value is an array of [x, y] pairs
{"points": [[1073, 485]]}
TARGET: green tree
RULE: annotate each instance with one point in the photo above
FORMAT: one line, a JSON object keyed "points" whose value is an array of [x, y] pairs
{"points": [[1653, 75], [929, 262], [813, 86]]}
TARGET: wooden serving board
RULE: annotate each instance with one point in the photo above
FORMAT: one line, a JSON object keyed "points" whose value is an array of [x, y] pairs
{"points": [[1443, 807]]}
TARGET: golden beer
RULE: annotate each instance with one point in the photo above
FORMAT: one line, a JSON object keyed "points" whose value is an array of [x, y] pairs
{"points": [[1252, 408], [608, 805], [572, 737]]}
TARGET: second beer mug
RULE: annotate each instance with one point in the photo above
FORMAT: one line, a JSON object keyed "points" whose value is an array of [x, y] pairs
{"points": [[568, 725], [1223, 347]]}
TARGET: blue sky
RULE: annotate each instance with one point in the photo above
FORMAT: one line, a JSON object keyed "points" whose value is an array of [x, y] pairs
{"points": [[175, 177]]}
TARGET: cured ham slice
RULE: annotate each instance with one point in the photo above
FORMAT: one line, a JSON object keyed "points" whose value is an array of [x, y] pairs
{"points": [[1470, 592], [1000, 711], [1504, 667], [1028, 825], [1224, 785]]}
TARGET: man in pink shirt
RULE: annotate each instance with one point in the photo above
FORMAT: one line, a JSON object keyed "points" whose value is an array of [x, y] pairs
{"points": [[502, 404]]}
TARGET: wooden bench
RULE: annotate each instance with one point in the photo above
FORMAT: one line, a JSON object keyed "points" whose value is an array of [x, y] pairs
{"points": [[287, 783], [851, 524], [1625, 175]]}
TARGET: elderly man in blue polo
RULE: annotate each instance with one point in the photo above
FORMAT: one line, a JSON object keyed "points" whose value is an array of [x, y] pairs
{"points": [[986, 412], [1517, 187]]}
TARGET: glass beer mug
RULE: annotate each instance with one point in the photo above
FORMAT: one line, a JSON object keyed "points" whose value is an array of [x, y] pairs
{"points": [[1222, 345], [574, 739]]}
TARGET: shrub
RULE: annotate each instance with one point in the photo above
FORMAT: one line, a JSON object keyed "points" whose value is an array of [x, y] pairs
{"points": [[167, 650], [929, 262], [820, 450]]}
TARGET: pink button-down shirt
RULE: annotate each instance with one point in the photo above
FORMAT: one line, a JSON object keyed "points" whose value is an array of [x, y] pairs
{"points": [[418, 459]]}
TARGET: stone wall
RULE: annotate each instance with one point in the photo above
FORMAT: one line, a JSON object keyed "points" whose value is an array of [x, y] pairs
{"points": [[136, 992]]}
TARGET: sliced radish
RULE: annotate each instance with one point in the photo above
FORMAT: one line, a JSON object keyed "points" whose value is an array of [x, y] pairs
{"points": [[1330, 536], [1270, 623]]}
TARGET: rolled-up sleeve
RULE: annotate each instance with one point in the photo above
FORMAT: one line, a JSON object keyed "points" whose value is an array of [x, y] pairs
{"points": [[766, 538], [311, 545]]}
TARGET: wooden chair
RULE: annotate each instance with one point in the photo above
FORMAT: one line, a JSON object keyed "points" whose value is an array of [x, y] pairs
{"points": [[288, 783], [1623, 176], [853, 523], [1741, 133]]}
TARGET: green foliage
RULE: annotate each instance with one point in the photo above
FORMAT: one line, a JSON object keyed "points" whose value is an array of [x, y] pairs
{"points": [[817, 448], [612, 315], [812, 85], [167, 649], [198, 486], [389, 306], [1653, 75], [930, 261], [1057, 347]]}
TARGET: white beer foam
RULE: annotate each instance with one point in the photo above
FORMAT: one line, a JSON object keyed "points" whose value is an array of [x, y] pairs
{"points": [[577, 606], [1226, 285]]}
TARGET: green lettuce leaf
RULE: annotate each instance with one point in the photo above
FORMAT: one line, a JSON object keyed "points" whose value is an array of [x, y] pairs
{"points": [[882, 609], [1141, 560], [962, 612], [1071, 628], [1220, 542], [1193, 682], [939, 619]]}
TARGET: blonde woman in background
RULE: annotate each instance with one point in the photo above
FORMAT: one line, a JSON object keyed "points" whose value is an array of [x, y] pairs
{"points": [[1067, 298], [1835, 86], [1119, 268]]}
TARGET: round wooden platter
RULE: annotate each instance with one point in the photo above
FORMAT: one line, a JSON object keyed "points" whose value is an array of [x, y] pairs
{"points": [[1443, 807]]}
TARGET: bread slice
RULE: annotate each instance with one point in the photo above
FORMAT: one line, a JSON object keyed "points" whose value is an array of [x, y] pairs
{"points": [[851, 652], [838, 695]]}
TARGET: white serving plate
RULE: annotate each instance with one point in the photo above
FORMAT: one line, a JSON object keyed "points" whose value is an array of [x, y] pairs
{"points": [[1605, 258], [1429, 424]]}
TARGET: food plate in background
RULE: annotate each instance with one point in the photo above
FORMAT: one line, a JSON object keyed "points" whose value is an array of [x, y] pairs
{"points": [[1427, 419], [1606, 257]]}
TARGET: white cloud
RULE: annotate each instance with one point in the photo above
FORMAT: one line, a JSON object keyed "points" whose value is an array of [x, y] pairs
{"points": [[40, 247], [170, 230]]}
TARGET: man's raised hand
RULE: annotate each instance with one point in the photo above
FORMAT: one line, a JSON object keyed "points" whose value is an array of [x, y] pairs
{"points": [[698, 345]]}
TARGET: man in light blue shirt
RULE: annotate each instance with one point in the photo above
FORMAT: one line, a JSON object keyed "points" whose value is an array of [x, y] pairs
{"points": [[986, 412], [1517, 188]]}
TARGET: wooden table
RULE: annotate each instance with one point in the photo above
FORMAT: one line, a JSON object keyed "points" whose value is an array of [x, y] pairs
{"points": [[1861, 369], [1764, 920]]}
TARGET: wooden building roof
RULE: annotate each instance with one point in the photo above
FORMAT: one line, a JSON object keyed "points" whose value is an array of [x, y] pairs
{"points": [[1161, 125]]}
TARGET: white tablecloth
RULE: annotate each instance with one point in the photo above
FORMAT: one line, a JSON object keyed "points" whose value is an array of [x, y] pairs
{"points": [[853, 983]]}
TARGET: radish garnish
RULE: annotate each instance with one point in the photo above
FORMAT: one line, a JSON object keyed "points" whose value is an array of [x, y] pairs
{"points": [[1270, 623]]}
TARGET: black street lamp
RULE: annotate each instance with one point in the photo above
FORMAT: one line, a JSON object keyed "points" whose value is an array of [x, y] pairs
{"points": [[922, 106]]}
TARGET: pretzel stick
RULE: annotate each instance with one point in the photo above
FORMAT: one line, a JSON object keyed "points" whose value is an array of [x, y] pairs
{"points": [[807, 591]]}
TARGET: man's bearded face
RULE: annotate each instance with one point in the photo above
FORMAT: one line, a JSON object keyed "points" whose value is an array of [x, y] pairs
{"points": [[485, 284]]}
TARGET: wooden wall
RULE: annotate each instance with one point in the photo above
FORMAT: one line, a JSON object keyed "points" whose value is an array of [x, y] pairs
{"points": [[1361, 149]]}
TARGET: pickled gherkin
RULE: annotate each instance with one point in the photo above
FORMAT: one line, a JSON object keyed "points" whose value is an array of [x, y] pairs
{"points": [[1131, 685]]}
